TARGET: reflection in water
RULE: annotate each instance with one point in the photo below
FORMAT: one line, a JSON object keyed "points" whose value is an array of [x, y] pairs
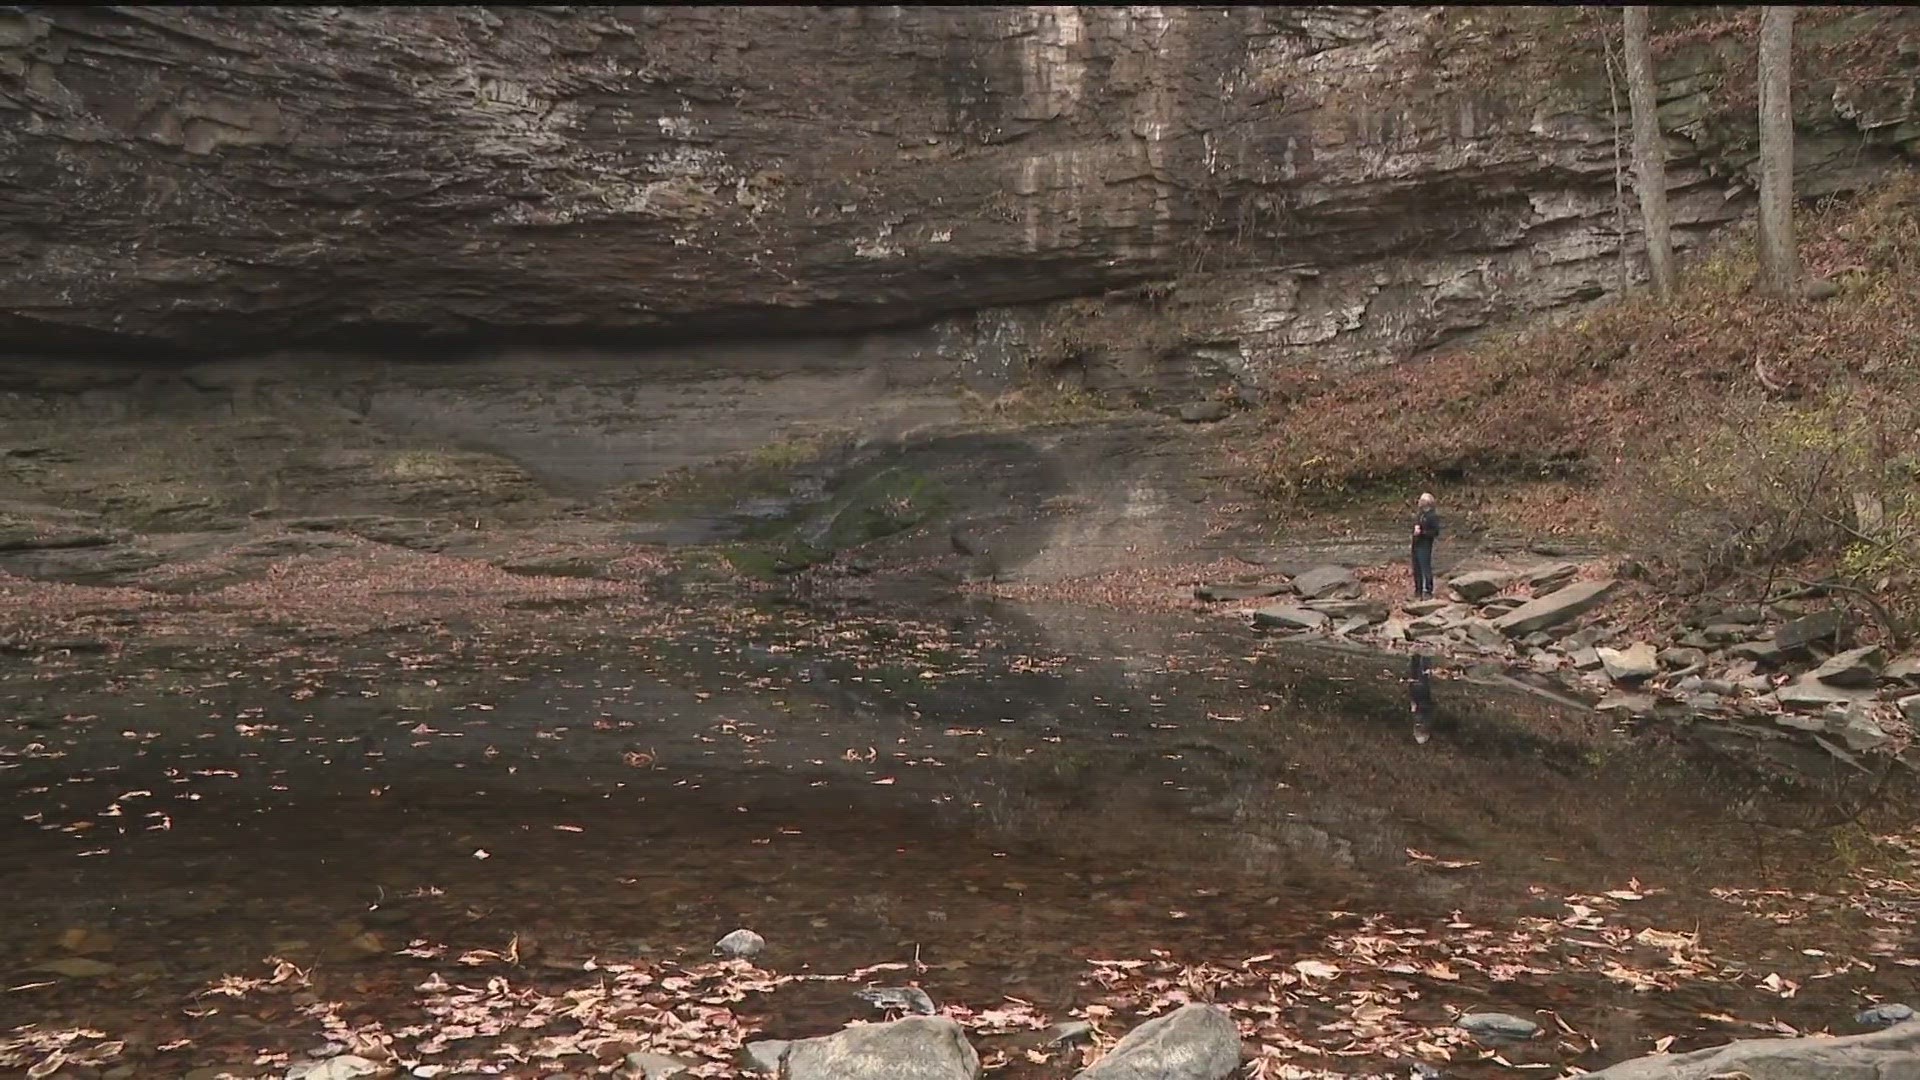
{"points": [[1005, 797], [1420, 691]]}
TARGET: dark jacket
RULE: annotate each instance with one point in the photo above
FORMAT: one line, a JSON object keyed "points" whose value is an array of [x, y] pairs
{"points": [[1426, 526]]}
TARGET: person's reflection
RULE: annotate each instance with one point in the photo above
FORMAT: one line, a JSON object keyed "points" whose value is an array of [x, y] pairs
{"points": [[1420, 692]]}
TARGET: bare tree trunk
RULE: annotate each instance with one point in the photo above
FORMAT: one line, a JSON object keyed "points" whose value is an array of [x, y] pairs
{"points": [[1779, 256], [1649, 153]]}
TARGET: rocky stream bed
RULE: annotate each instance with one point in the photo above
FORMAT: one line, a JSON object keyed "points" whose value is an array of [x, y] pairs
{"points": [[1791, 670]]}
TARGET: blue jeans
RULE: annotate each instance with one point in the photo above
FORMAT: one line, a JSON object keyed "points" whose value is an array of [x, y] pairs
{"points": [[1423, 567]]}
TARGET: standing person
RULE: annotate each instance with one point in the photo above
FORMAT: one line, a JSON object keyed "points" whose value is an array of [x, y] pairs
{"points": [[1426, 529]]}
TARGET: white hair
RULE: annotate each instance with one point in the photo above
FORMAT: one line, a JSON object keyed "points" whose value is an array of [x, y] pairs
{"points": [[1427, 499]]}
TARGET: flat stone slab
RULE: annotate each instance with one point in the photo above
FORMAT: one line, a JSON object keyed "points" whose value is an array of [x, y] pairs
{"points": [[1289, 617], [1906, 669], [1479, 584], [1372, 611], [1549, 575], [1809, 693], [1625, 703], [1855, 667], [1554, 608], [1809, 629], [1327, 583], [1761, 652], [1225, 592]]}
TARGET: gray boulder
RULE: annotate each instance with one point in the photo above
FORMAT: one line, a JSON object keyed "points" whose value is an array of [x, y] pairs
{"points": [[1855, 667], [1289, 617], [1422, 607], [1327, 583], [740, 945], [1821, 626], [1586, 659], [1893, 1054], [1904, 670], [1554, 608], [1909, 707], [1479, 584], [1483, 635], [1635, 663], [1194, 1042], [916, 1048], [1497, 1027]]}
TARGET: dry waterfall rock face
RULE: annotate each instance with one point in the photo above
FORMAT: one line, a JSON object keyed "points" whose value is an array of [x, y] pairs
{"points": [[238, 179], [1893, 1054], [916, 1048], [1194, 1042]]}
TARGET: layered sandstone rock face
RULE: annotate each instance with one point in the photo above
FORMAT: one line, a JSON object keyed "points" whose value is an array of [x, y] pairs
{"points": [[1334, 184]]}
